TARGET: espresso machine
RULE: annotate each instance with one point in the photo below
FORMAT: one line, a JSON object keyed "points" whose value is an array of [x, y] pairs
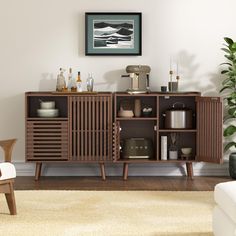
{"points": [[139, 78]]}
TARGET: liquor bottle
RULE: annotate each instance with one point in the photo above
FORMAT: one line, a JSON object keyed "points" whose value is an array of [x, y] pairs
{"points": [[79, 83], [89, 82]]}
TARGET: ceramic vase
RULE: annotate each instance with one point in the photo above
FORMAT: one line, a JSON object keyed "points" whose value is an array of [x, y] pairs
{"points": [[137, 107]]}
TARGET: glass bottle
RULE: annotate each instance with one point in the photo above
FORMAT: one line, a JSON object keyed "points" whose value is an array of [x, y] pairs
{"points": [[79, 83], [73, 84], [70, 79], [61, 81], [90, 82]]}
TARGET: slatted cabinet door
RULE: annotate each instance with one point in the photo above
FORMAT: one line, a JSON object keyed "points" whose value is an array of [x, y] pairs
{"points": [[209, 129], [91, 128], [47, 140], [116, 141]]}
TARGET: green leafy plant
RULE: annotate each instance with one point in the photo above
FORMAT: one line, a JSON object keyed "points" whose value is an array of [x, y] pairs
{"points": [[229, 87]]}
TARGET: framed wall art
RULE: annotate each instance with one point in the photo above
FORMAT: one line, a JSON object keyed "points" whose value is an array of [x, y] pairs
{"points": [[113, 33]]}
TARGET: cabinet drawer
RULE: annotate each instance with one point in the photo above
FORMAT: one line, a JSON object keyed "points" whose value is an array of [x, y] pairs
{"points": [[47, 140]]}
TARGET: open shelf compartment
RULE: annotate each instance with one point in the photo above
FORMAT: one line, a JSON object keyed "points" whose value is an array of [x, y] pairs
{"points": [[145, 136], [33, 103]]}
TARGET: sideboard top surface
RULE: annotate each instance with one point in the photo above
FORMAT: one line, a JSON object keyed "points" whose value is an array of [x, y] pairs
{"points": [[54, 93], [85, 93]]}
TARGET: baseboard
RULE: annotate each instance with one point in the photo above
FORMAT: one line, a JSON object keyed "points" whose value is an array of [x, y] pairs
{"points": [[162, 169]]}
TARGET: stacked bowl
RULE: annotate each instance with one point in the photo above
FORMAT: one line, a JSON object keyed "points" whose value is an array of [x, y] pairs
{"points": [[47, 109]]}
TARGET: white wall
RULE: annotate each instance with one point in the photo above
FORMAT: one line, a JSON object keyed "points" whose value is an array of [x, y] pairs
{"points": [[38, 37]]}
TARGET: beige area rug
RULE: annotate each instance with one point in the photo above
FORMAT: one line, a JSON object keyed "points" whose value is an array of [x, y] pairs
{"points": [[71, 213]]}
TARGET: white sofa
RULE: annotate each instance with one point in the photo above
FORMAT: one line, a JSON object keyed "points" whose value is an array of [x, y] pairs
{"points": [[224, 214]]}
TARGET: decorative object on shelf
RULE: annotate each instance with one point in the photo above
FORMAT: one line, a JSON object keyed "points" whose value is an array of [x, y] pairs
{"points": [[90, 82], [126, 109], [186, 150], [164, 148], [137, 107], [147, 111], [137, 148], [61, 82], [113, 33], [70, 83], [47, 113], [186, 153], [173, 150], [47, 109], [47, 104], [173, 85], [125, 113], [178, 117], [228, 88], [163, 88], [79, 83], [139, 78], [177, 76], [72, 87]]}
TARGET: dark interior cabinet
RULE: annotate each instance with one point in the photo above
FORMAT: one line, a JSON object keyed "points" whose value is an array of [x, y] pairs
{"points": [[91, 128]]}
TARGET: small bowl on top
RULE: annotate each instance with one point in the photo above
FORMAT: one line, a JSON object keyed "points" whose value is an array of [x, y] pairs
{"points": [[186, 150], [47, 104]]}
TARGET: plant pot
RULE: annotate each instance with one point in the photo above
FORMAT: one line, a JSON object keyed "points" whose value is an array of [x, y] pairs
{"points": [[232, 165]]}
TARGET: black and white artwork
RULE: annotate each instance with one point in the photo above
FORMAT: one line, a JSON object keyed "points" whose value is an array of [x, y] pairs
{"points": [[114, 34]]}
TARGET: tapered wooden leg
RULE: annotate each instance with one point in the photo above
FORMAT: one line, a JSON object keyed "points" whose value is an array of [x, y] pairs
{"points": [[10, 197], [103, 173], [38, 170], [125, 171], [189, 167]]}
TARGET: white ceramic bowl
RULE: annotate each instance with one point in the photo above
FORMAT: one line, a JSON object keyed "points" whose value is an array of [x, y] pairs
{"points": [[47, 112], [186, 151], [47, 105]]}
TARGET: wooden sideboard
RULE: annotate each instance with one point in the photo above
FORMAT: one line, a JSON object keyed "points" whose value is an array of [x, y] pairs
{"points": [[89, 129]]}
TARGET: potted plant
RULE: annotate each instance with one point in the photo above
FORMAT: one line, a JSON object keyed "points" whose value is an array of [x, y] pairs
{"points": [[229, 89]]}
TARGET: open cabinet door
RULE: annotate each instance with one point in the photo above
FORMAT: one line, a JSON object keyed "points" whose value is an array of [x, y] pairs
{"points": [[209, 129], [116, 141]]}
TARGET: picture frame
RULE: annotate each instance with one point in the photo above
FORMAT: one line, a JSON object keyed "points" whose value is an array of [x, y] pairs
{"points": [[113, 33]]}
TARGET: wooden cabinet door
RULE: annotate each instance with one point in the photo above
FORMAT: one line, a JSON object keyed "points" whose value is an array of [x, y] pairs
{"points": [[47, 140], [116, 141], [91, 128], [209, 112]]}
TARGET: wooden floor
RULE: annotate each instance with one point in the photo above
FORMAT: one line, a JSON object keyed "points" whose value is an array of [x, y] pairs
{"points": [[117, 183]]}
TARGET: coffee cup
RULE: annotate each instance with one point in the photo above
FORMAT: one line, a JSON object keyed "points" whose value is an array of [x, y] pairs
{"points": [[163, 88]]}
